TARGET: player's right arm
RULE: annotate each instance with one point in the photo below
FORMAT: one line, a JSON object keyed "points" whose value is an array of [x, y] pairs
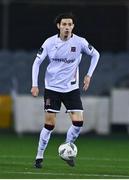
{"points": [[41, 55]]}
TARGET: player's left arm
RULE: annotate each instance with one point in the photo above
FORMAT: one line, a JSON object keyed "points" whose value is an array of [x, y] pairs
{"points": [[90, 50], [86, 82]]}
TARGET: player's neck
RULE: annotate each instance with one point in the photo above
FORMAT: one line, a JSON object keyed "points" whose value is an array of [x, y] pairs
{"points": [[65, 37]]}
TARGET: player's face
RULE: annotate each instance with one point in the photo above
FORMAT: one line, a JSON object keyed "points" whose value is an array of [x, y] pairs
{"points": [[66, 26]]}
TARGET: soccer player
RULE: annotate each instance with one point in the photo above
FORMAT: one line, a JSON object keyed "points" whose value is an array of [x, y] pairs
{"points": [[64, 51]]}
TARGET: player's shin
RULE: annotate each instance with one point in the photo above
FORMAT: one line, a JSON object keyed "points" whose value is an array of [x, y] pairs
{"points": [[43, 140], [74, 131]]}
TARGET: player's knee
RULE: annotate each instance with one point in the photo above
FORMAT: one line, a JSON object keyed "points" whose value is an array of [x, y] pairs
{"points": [[76, 116], [50, 118]]}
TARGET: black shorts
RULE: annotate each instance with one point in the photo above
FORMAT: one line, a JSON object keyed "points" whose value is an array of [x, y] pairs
{"points": [[71, 100]]}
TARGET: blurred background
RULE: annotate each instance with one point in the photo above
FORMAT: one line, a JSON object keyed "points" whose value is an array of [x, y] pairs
{"points": [[25, 24]]}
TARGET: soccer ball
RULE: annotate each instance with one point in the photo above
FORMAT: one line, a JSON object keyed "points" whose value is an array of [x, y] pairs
{"points": [[67, 151]]}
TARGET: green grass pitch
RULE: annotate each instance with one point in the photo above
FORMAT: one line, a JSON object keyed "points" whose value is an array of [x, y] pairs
{"points": [[98, 158]]}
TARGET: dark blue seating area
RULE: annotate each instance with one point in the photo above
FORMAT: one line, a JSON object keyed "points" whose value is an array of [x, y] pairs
{"points": [[15, 72]]}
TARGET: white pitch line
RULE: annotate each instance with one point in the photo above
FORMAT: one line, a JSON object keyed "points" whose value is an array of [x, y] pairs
{"points": [[69, 174]]}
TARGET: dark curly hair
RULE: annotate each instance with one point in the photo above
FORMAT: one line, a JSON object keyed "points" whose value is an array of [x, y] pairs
{"points": [[68, 15]]}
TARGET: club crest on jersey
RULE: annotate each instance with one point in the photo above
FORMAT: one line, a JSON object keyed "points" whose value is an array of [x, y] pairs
{"points": [[73, 49], [40, 50]]}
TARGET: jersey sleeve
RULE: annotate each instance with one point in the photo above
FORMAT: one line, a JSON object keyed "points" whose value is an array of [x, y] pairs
{"points": [[42, 52], [91, 51], [41, 55], [86, 47]]}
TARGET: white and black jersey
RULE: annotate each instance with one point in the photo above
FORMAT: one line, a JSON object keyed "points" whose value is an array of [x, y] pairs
{"points": [[62, 72]]}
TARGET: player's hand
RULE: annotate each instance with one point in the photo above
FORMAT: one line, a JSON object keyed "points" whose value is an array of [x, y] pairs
{"points": [[35, 91], [86, 82]]}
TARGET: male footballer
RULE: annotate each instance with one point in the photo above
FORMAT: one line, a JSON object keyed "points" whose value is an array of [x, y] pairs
{"points": [[64, 51]]}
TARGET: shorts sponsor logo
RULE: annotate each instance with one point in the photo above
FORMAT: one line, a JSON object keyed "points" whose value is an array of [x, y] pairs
{"points": [[48, 102]]}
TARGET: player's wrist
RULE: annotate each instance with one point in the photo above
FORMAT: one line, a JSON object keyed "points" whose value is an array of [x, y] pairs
{"points": [[88, 76], [34, 86]]}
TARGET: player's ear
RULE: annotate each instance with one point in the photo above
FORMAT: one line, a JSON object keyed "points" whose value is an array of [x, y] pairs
{"points": [[58, 25]]}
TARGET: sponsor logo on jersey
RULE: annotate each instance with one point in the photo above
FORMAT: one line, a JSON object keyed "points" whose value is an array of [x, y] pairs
{"points": [[65, 60], [73, 49]]}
